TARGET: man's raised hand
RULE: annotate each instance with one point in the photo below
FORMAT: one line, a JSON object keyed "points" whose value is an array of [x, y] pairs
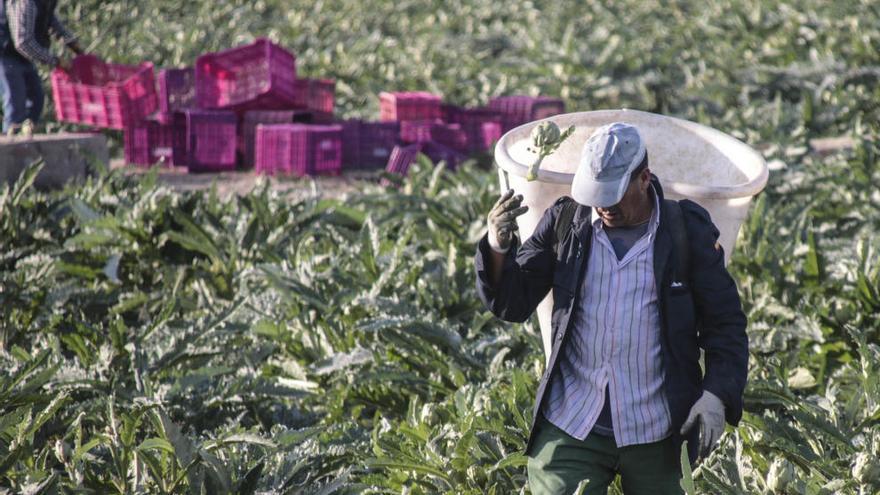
{"points": [[502, 220]]}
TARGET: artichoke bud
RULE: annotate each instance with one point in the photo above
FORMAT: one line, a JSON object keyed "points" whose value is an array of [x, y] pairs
{"points": [[545, 133], [62, 451], [866, 469], [780, 474], [429, 414]]}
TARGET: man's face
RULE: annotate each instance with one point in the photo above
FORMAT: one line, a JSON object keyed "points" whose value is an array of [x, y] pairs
{"points": [[634, 207]]}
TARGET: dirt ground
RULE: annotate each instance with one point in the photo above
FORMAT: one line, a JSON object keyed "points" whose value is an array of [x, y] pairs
{"points": [[242, 182]]}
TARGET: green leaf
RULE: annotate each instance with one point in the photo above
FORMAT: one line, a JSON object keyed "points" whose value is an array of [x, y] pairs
{"points": [[516, 460], [813, 266], [26, 180], [84, 213], [88, 446], [687, 476], [248, 484], [243, 438], [156, 444], [407, 466], [91, 240]]}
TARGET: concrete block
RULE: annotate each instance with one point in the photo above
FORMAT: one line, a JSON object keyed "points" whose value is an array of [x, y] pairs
{"points": [[67, 156]]}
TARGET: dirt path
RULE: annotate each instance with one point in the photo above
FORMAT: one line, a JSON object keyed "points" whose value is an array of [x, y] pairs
{"points": [[242, 182]]}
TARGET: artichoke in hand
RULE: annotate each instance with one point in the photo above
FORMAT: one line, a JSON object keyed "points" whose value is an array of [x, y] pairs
{"points": [[546, 138]]}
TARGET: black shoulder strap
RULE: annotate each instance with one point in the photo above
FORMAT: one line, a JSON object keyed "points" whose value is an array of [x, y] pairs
{"points": [[679, 238], [563, 224]]}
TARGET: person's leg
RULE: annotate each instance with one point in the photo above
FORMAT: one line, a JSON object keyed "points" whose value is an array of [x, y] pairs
{"points": [[35, 93], [652, 468], [13, 92], [559, 462]]}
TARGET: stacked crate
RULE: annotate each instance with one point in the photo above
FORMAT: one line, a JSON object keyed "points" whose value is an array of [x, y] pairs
{"points": [[518, 110], [298, 149], [247, 106], [424, 131], [203, 117], [318, 96], [443, 132], [481, 126], [368, 145], [251, 119], [209, 139], [159, 138], [259, 82], [149, 142], [409, 105], [258, 76]]}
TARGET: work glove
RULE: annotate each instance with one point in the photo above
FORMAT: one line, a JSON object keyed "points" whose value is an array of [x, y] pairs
{"points": [[502, 220], [709, 412]]}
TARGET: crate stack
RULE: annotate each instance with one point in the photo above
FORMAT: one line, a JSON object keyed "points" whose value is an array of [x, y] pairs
{"points": [[246, 107], [298, 149], [519, 109], [204, 117], [368, 145], [450, 133], [254, 118]]}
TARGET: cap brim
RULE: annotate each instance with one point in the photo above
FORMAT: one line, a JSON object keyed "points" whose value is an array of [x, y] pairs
{"points": [[590, 192]]}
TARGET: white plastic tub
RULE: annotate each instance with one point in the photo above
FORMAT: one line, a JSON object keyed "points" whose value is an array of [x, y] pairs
{"points": [[691, 160]]}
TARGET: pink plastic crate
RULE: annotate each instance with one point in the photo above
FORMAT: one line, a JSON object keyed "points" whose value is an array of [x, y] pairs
{"points": [[490, 133], [518, 110], [409, 105], [106, 95], [417, 131], [317, 95], [299, 149], [150, 142], [439, 152], [177, 89], [368, 145], [482, 126], [420, 131], [402, 157], [209, 138], [259, 76], [252, 118]]}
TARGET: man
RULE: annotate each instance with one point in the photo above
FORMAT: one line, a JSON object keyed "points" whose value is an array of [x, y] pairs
{"points": [[623, 387], [25, 26]]}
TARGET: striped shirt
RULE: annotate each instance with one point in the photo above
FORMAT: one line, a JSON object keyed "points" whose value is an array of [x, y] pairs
{"points": [[22, 18], [615, 344]]}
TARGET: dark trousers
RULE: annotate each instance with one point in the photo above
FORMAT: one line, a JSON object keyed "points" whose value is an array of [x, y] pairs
{"points": [[559, 462], [21, 91]]}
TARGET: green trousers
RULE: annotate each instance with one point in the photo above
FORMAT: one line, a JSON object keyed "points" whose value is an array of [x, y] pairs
{"points": [[559, 462]]}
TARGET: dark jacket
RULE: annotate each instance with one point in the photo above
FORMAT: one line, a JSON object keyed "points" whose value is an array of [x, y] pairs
{"points": [[703, 312]]}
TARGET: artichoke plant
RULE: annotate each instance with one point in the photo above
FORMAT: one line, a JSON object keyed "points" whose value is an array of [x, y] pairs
{"points": [[546, 138]]}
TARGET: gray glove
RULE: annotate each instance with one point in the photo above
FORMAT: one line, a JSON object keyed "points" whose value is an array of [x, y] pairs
{"points": [[710, 411], [502, 220]]}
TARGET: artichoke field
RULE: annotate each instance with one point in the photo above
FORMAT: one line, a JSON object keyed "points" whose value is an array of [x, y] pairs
{"points": [[154, 341]]}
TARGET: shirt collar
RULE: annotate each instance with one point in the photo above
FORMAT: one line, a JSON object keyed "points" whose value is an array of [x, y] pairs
{"points": [[653, 222]]}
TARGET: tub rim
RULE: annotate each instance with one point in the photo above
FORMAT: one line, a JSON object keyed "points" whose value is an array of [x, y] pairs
{"points": [[745, 189]]}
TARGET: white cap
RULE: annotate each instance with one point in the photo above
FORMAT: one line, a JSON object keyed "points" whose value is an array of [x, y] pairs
{"points": [[609, 156]]}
